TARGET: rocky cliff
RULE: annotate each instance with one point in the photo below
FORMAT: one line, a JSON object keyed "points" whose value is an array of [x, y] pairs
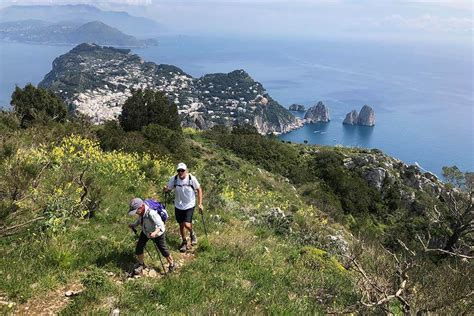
{"points": [[317, 113], [366, 116], [351, 118], [384, 172], [96, 81]]}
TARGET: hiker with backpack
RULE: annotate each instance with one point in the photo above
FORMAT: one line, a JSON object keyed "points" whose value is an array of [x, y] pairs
{"points": [[151, 217], [185, 186]]}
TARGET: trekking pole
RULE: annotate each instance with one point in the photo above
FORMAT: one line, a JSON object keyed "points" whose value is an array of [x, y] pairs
{"points": [[166, 200], [148, 252], [159, 256], [203, 222], [136, 234]]}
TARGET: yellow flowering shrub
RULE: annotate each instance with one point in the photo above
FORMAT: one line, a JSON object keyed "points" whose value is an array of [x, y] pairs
{"points": [[77, 162], [253, 197]]}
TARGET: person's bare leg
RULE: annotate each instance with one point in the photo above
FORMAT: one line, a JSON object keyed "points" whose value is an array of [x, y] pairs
{"points": [[189, 226], [181, 230]]}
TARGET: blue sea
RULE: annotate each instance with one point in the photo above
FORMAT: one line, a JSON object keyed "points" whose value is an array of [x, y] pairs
{"points": [[422, 94]]}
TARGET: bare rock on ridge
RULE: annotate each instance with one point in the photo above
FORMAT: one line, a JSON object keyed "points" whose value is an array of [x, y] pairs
{"points": [[351, 118], [317, 113], [366, 116]]}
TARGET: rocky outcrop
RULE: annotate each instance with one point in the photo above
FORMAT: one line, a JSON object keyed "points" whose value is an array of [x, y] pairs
{"points": [[297, 107], [96, 81], [317, 113], [375, 177], [366, 116], [351, 118], [265, 126], [384, 173]]}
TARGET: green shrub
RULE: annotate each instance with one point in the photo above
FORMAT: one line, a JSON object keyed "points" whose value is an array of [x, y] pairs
{"points": [[146, 107], [37, 104], [95, 278], [8, 121]]}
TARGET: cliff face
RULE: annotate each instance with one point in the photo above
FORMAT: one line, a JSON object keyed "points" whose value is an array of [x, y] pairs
{"points": [[96, 81], [366, 116], [351, 118], [382, 171], [317, 113]]}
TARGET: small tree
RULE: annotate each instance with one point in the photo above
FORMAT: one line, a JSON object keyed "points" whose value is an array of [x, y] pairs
{"points": [[460, 215], [37, 104], [146, 107], [453, 176]]}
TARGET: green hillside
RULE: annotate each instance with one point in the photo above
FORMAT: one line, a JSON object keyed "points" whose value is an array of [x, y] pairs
{"points": [[292, 228]]}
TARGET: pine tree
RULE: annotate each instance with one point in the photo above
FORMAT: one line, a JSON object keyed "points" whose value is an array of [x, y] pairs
{"points": [[37, 104], [146, 107]]}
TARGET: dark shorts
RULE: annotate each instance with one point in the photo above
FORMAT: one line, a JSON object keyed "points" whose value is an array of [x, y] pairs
{"points": [[159, 242], [184, 215]]}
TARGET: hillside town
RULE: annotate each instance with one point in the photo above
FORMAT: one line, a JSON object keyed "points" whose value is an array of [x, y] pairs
{"points": [[96, 81]]}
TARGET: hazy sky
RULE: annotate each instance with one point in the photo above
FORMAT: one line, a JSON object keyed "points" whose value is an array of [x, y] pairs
{"points": [[442, 20]]}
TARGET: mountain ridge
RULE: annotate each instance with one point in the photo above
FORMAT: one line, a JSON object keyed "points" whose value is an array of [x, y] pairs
{"points": [[82, 13], [66, 33]]}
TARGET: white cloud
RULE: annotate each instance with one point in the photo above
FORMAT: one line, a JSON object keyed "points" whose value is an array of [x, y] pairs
{"points": [[431, 23], [460, 4]]}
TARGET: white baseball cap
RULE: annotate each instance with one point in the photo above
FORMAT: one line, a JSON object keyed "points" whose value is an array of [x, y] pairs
{"points": [[181, 165]]}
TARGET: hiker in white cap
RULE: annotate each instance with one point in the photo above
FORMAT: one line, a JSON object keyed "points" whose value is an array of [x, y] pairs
{"points": [[185, 186]]}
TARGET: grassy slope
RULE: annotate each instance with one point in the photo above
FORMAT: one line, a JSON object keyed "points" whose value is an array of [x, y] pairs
{"points": [[243, 267]]}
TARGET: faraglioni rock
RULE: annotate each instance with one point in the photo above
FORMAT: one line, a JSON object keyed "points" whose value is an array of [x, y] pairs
{"points": [[317, 113], [366, 116], [351, 118], [297, 107], [96, 81]]}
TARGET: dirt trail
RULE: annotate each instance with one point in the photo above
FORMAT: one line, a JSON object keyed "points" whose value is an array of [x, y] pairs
{"points": [[51, 303]]}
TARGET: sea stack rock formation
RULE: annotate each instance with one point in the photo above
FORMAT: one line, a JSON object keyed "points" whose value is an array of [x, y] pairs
{"points": [[297, 107], [351, 118], [317, 113], [366, 116]]}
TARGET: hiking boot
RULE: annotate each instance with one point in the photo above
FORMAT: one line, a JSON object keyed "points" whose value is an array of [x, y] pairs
{"points": [[138, 268], [171, 267], [194, 239], [184, 246]]}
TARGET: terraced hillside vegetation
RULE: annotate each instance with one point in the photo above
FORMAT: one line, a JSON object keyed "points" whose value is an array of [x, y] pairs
{"points": [[291, 228]]}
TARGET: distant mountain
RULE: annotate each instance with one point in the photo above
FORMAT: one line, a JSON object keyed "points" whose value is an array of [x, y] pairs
{"points": [[137, 26], [96, 81], [41, 32]]}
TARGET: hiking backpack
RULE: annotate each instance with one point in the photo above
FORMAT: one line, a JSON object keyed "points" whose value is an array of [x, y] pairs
{"points": [[190, 184], [158, 207]]}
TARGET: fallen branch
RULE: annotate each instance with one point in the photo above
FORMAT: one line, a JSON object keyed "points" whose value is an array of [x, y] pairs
{"points": [[5, 230], [454, 254]]}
